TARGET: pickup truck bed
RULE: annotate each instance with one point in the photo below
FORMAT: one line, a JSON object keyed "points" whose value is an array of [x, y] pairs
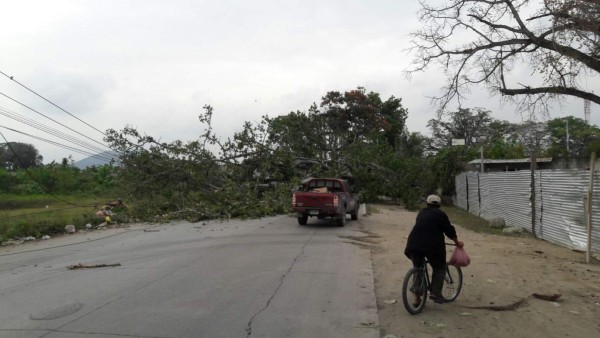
{"points": [[325, 197]]}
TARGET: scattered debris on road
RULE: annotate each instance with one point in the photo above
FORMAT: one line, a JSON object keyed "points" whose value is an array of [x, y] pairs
{"points": [[82, 266], [551, 298], [434, 324], [365, 239], [517, 304]]}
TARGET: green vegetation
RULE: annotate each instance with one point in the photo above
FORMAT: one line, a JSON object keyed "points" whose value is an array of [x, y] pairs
{"points": [[355, 135], [40, 200], [469, 221], [38, 215]]}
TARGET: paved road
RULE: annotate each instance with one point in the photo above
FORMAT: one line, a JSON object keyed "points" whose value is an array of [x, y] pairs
{"points": [[258, 278]]}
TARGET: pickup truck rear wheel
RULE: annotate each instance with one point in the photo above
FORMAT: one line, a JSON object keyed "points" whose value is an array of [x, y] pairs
{"points": [[302, 220], [341, 221], [354, 214]]}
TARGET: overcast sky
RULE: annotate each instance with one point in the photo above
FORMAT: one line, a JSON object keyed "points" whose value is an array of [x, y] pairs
{"points": [[154, 64]]}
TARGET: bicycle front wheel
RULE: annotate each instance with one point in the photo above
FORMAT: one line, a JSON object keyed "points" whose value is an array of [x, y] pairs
{"points": [[414, 291], [452, 283]]}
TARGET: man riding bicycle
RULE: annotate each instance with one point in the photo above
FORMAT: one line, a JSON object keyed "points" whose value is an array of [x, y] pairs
{"points": [[426, 240]]}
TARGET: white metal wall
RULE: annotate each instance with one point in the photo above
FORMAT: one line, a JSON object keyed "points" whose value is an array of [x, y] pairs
{"points": [[559, 202], [473, 189], [460, 200]]}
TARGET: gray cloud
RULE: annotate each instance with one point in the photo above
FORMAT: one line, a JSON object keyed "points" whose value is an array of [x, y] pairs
{"points": [[155, 64]]}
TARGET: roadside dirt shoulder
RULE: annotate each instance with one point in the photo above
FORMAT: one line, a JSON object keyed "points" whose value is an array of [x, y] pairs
{"points": [[503, 271], [81, 236]]}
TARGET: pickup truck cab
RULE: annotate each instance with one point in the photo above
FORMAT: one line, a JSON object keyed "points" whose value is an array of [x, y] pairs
{"points": [[325, 197]]}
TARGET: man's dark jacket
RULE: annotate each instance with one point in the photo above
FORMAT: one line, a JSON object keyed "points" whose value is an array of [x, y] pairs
{"points": [[427, 236]]}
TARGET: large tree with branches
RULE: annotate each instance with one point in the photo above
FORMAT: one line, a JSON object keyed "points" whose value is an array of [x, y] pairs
{"points": [[491, 41]]}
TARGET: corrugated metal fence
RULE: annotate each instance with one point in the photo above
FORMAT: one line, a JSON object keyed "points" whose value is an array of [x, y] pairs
{"points": [[559, 202]]}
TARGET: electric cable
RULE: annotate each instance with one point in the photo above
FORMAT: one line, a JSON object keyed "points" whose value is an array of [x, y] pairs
{"points": [[71, 129], [54, 132], [52, 103], [98, 156]]}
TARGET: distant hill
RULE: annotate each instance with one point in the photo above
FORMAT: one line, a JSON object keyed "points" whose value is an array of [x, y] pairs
{"points": [[95, 161]]}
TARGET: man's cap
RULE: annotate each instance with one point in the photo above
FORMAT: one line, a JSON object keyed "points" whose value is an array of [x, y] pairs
{"points": [[434, 199]]}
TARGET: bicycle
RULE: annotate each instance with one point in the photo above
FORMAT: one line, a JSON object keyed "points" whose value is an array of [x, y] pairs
{"points": [[417, 284]]}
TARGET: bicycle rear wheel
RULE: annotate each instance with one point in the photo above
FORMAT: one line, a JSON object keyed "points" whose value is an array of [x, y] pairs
{"points": [[452, 283], [414, 291]]}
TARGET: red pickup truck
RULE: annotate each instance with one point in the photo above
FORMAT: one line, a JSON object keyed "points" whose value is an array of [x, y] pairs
{"points": [[325, 197]]}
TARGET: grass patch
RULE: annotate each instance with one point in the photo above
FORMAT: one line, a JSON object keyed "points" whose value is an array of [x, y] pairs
{"points": [[44, 215], [14, 202], [474, 223], [467, 220], [372, 209]]}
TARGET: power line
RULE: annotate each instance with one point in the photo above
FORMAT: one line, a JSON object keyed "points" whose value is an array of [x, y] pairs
{"points": [[71, 129], [51, 131], [98, 156], [52, 103], [48, 130]]}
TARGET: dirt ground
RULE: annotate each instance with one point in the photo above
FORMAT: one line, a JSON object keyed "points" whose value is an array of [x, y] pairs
{"points": [[503, 270]]}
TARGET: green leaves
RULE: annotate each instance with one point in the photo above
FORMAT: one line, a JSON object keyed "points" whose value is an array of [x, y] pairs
{"points": [[17, 155], [353, 134], [572, 137]]}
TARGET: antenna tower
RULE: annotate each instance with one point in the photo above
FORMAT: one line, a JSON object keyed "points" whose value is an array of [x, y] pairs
{"points": [[586, 111]]}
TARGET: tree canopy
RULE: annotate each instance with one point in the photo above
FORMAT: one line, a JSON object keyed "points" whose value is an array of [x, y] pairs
{"points": [[353, 134], [472, 125], [17, 155], [572, 137], [493, 42]]}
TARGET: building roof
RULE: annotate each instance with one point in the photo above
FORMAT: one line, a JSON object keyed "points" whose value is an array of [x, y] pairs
{"points": [[512, 160]]}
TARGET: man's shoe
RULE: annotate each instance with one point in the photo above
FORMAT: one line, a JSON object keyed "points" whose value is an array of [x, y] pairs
{"points": [[437, 298]]}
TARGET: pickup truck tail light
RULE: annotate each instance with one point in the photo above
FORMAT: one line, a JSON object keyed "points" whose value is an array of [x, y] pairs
{"points": [[335, 201]]}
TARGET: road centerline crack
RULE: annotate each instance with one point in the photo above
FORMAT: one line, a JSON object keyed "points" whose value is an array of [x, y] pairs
{"points": [[282, 279]]}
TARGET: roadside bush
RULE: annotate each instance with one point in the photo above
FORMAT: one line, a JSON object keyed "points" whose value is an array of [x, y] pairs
{"points": [[29, 188]]}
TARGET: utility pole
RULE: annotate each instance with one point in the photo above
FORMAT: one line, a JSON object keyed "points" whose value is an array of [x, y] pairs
{"points": [[481, 151], [586, 111], [568, 152], [588, 209], [532, 197]]}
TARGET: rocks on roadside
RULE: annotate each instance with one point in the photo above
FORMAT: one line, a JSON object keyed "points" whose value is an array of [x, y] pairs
{"points": [[12, 242], [21, 240], [497, 223], [70, 229], [512, 230]]}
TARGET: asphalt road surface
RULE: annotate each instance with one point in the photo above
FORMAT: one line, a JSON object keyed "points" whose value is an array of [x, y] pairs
{"points": [[257, 278]]}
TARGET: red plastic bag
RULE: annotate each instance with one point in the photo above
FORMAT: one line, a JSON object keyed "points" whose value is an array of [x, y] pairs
{"points": [[459, 258]]}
